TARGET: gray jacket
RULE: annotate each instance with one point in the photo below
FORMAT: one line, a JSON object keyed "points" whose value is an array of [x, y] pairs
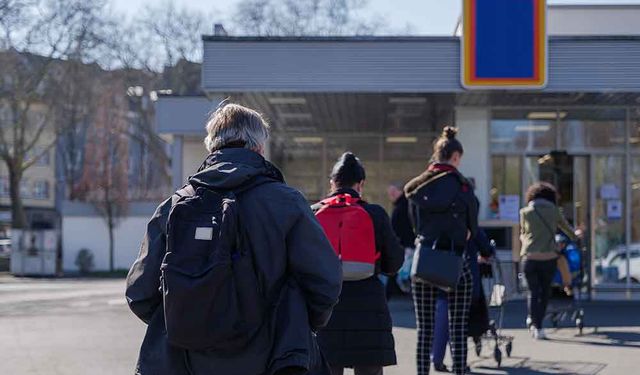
{"points": [[539, 222], [288, 245]]}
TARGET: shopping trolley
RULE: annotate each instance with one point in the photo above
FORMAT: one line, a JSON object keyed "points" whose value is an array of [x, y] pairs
{"points": [[568, 307], [495, 291]]}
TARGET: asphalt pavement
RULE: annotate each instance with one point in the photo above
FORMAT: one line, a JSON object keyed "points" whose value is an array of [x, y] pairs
{"points": [[83, 326]]}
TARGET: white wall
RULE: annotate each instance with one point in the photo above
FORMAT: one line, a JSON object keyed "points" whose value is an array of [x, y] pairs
{"points": [[193, 154], [594, 20], [473, 124], [90, 232]]}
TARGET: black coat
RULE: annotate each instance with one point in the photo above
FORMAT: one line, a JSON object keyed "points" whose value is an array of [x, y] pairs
{"points": [[401, 222], [360, 330], [288, 246], [443, 207]]}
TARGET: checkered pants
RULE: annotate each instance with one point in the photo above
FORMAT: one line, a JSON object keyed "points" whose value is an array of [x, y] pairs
{"points": [[424, 297]]}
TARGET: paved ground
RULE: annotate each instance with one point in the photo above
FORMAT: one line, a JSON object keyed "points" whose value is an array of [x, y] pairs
{"points": [[74, 327]]}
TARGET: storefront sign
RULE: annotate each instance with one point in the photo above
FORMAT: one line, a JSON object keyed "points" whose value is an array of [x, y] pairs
{"points": [[509, 207], [504, 44]]}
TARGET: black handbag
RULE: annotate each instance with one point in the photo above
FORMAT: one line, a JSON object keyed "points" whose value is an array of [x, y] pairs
{"points": [[434, 265], [438, 267]]}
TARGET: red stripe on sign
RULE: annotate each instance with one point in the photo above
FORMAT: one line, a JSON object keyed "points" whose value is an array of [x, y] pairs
{"points": [[536, 40], [473, 40]]}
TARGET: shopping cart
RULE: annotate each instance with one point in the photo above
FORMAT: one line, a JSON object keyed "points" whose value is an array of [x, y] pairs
{"points": [[561, 306], [493, 285]]}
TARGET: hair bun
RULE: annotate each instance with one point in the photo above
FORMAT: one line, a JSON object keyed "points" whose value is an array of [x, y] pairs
{"points": [[349, 158], [449, 132]]}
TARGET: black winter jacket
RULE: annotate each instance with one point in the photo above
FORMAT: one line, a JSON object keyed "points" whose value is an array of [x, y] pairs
{"points": [[288, 246], [401, 222], [443, 207], [359, 332]]}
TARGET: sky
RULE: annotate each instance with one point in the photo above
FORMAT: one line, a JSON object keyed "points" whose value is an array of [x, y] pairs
{"points": [[426, 17]]}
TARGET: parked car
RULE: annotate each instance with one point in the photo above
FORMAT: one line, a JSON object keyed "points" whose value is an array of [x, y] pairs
{"points": [[616, 259]]}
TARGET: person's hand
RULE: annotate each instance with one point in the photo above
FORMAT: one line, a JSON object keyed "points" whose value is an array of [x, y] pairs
{"points": [[579, 233], [468, 234], [484, 260]]}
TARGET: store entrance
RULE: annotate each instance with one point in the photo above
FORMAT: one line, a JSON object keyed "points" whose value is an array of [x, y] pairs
{"points": [[570, 175]]}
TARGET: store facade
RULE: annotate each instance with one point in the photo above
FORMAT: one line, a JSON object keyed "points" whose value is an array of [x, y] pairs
{"points": [[387, 98]]}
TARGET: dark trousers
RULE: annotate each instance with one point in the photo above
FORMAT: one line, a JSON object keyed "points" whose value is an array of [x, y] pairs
{"points": [[441, 331], [539, 275], [425, 296], [358, 370]]}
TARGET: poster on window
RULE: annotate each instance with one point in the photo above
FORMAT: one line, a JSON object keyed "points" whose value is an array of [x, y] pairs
{"points": [[509, 207], [609, 191], [614, 209]]}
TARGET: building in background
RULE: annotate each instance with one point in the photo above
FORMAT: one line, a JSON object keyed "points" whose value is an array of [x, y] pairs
{"points": [[386, 99]]}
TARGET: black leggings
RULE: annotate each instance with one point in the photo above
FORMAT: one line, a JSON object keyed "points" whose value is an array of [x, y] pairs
{"points": [[539, 274]]}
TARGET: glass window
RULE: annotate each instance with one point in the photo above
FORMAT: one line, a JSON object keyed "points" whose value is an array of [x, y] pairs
{"points": [[506, 180], [592, 129], [4, 187], [523, 130], [635, 200], [368, 149], [301, 161], [41, 189], [404, 158], [609, 221], [25, 188], [634, 140]]}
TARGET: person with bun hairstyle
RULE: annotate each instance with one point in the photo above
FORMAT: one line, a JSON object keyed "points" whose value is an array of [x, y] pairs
{"points": [[359, 333], [447, 216]]}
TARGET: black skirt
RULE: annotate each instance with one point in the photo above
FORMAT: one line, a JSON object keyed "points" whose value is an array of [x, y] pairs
{"points": [[360, 330]]}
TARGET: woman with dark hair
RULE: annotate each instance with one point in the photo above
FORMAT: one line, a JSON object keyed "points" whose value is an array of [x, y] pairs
{"points": [[540, 220], [359, 332], [445, 215]]}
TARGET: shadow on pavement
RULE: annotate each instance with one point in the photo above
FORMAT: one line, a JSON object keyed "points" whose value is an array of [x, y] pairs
{"points": [[604, 338], [597, 314], [525, 366]]}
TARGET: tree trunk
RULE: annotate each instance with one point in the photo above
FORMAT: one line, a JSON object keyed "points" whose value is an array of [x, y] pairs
{"points": [[18, 215], [110, 225]]}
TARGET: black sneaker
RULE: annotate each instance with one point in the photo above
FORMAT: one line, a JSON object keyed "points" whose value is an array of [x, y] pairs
{"points": [[440, 367]]}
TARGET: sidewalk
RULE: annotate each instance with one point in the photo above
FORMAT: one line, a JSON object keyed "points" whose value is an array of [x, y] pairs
{"points": [[610, 344]]}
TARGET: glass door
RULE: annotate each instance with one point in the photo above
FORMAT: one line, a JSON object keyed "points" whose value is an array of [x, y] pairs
{"points": [[570, 174], [609, 252]]}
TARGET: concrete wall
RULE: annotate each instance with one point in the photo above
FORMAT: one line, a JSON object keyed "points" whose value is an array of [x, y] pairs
{"points": [[193, 153], [82, 228], [474, 135]]}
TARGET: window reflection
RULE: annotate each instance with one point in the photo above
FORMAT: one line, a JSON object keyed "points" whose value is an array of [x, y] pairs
{"points": [[523, 130], [596, 129]]}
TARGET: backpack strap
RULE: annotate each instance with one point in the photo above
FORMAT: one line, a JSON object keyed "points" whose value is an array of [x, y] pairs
{"points": [[340, 200]]}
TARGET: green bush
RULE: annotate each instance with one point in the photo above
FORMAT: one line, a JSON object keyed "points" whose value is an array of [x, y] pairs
{"points": [[84, 261]]}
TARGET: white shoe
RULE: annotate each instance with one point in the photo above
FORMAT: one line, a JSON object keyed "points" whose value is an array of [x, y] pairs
{"points": [[539, 334]]}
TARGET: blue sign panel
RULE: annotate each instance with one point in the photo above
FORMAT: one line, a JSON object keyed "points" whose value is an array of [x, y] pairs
{"points": [[504, 44]]}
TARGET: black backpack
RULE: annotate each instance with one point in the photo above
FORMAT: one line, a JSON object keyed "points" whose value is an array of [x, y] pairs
{"points": [[211, 295]]}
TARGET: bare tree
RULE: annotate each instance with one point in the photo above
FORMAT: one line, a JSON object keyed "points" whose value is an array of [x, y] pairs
{"points": [[305, 17], [160, 36], [34, 37], [104, 180]]}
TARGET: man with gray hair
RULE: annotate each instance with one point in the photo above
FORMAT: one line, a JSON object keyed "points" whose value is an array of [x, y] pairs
{"points": [[234, 274]]}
